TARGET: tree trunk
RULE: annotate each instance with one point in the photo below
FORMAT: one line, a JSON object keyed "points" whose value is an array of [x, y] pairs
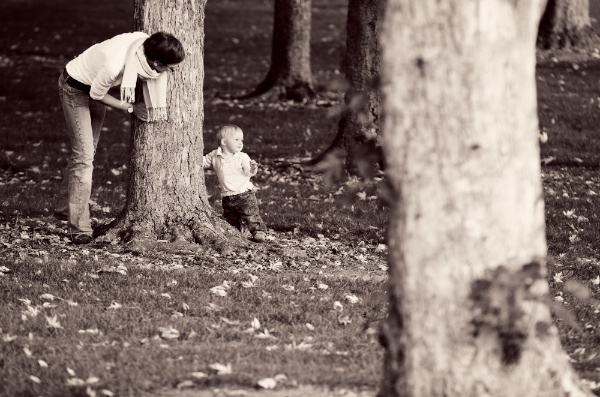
{"points": [[565, 24], [290, 75], [167, 197], [468, 314], [358, 128]]}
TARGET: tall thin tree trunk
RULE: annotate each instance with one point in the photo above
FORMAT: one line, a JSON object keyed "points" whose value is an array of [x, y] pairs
{"points": [[290, 75], [565, 24], [358, 127], [167, 196], [468, 314]]}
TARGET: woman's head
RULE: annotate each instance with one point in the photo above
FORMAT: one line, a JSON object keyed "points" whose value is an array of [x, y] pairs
{"points": [[163, 50]]}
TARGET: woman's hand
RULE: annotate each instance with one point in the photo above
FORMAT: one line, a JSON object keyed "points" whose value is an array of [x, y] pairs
{"points": [[140, 111]]}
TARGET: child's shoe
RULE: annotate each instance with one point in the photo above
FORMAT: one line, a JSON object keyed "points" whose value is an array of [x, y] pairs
{"points": [[260, 236]]}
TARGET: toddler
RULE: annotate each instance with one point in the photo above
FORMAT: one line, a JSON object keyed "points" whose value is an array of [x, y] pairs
{"points": [[234, 169]]}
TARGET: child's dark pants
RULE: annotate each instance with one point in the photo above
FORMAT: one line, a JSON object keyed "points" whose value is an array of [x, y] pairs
{"points": [[243, 207]]}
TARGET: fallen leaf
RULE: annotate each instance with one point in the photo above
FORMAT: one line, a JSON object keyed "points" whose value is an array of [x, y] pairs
{"points": [[9, 338], [49, 297], [185, 384], [352, 298], [219, 290], [92, 380], [53, 322], [168, 333], [230, 322], [221, 369], [267, 383], [264, 335], [338, 307], [27, 352], [280, 377]]}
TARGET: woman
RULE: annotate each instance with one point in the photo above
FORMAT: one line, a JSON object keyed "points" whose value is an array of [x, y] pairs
{"points": [[83, 88]]}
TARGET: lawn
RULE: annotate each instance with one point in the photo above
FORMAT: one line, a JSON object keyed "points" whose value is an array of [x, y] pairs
{"points": [[300, 312]]}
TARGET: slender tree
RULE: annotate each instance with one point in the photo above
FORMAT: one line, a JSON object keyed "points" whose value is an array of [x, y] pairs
{"points": [[290, 75], [167, 196], [358, 127], [565, 24], [468, 312]]}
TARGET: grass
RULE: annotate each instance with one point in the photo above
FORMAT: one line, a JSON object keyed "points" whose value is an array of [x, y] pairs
{"points": [[125, 347], [118, 312]]}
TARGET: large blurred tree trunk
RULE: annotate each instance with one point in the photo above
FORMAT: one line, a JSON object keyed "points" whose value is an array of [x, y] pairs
{"points": [[290, 75], [167, 196], [565, 24], [468, 314], [358, 127]]}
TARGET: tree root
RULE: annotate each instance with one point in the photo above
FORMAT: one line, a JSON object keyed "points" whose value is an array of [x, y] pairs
{"points": [[279, 90], [198, 234]]}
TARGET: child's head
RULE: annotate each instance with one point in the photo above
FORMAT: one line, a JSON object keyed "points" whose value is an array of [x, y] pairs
{"points": [[230, 138], [164, 49]]}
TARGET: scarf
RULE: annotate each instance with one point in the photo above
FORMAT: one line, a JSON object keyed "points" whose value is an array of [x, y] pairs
{"points": [[154, 84]]}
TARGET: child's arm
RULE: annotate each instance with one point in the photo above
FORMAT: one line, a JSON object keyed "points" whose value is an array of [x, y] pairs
{"points": [[253, 167], [250, 167], [207, 161]]}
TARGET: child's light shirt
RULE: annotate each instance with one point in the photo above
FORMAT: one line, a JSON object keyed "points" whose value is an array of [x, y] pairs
{"points": [[233, 173]]}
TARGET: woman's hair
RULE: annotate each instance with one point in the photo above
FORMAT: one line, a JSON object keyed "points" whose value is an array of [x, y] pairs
{"points": [[223, 131], [164, 48]]}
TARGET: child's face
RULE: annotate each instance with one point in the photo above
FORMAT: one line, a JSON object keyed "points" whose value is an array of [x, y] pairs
{"points": [[234, 142]]}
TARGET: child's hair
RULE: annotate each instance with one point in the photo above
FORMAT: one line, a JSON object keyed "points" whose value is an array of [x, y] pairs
{"points": [[164, 48], [224, 130]]}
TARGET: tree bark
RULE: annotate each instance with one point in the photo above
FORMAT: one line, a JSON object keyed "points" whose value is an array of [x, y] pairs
{"points": [[290, 75], [468, 313], [358, 127], [565, 24], [167, 197]]}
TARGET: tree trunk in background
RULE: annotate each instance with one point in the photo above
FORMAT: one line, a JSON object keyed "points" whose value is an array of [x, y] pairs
{"points": [[358, 128], [565, 24], [290, 75], [468, 291], [167, 197]]}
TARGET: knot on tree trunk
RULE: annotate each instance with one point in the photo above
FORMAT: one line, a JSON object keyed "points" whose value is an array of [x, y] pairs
{"points": [[499, 301]]}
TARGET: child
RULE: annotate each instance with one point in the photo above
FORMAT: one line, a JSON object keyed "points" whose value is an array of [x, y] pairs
{"points": [[234, 169]]}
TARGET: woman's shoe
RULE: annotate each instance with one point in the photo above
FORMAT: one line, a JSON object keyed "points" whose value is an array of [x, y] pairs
{"points": [[81, 239]]}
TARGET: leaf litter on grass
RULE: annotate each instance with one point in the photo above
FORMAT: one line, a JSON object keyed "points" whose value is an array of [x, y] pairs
{"points": [[233, 276]]}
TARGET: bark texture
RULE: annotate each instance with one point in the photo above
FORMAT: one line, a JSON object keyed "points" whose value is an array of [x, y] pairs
{"points": [[167, 196], [468, 314], [358, 127], [290, 75], [565, 24]]}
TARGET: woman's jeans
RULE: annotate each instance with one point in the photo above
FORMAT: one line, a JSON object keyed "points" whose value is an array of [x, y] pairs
{"points": [[84, 117]]}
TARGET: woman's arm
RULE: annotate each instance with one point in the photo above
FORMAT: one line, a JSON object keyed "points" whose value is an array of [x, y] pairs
{"points": [[139, 108]]}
